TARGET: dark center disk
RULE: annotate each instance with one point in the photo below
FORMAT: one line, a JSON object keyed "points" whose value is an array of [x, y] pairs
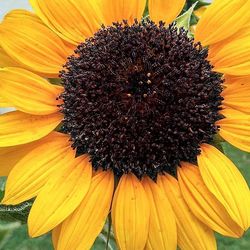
{"points": [[140, 98]]}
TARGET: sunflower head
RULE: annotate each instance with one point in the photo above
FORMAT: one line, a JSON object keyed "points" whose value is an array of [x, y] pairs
{"points": [[140, 98], [130, 127]]}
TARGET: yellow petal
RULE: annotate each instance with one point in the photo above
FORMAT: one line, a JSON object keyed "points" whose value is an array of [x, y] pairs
{"points": [[74, 20], [162, 225], [199, 12], [21, 13], [119, 10], [81, 228], [237, 95], [230, 79], [241, 69], [231, 113], [203, 204], [19, 128], [236, 130], [4, 103], [165, 10], [233, 58], [32, 171], [61, 195], [26, 39], [29, 92], [241, 33], [235, 83], [130, 213], [191, 233], [55, 235], [9, 156], [226, 183], [222, 19], [6, 60]]}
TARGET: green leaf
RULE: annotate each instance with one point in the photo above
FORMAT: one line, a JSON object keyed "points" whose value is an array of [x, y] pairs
{"points": [[185, 18], [15, 213]]}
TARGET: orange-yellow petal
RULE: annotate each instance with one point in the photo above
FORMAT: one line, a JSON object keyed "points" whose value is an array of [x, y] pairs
{"points": [[10, 156], [120, 10], [55, 235], [165, 10], [236, 130], [199, 12], [4, 103], [241, 69], [231, 79], [29, 92], [81, 228], [162, 225], [232, 58], [226, 183], [130, 213], [241, 33], [6, 60], [19, 128], [191, 232], [31, 172], [203, 204], [74, 20], [222, 19], [231, 113], [237, 95], [63, 192], [26, 39]]}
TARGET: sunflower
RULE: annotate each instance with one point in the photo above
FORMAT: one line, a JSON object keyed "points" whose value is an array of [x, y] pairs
{"points": [[132, 128]]}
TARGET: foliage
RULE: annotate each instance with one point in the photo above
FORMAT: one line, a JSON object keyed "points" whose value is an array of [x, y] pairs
{"points": [[184, 20]]}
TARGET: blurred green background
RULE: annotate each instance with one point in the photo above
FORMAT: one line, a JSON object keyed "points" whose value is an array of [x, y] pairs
{"points": [[13, 232]]}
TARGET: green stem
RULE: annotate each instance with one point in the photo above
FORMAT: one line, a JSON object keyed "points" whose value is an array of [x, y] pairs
{"points": [[109, 231]]}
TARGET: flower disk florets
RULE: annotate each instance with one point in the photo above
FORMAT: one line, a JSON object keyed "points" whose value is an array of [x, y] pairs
{"points": [[140, 98]]}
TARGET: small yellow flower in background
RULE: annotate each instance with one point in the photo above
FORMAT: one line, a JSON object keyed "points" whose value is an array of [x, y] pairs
{"points": [[138, 109]]}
